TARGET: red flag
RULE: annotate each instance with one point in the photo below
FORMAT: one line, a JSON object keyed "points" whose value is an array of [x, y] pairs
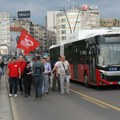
{"points": [[27, 42]]}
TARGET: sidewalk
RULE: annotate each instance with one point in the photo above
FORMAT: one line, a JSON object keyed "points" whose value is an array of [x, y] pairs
{"points": [[5, 110]]}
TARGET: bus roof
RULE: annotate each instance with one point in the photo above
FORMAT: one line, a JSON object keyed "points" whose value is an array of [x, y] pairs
{"points": [[53, 46], [85, 34]]}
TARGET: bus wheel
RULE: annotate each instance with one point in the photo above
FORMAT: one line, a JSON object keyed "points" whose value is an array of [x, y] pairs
{"points": [[86, 80]]}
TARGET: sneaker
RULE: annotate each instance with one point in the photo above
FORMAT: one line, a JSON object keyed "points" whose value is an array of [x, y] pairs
{"points": [[25, 95], [28, 94], [15, 95], [36, 96], [68, 93], [10, 95]]}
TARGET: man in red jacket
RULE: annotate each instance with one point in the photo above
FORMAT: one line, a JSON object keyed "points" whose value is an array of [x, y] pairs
{"points": [[22, 64], [14, 73]]}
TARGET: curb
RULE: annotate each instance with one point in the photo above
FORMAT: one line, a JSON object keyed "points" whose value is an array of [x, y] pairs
{"points": [[10, 100]]}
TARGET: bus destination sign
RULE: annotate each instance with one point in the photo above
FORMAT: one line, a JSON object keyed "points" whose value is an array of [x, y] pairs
{"points": [[112, 39]]}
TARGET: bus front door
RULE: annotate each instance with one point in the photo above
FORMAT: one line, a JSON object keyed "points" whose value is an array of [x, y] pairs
{"points": [[92, 64]]}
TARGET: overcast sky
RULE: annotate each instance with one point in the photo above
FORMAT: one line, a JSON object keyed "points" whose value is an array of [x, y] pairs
{"points": [[39, 8]]}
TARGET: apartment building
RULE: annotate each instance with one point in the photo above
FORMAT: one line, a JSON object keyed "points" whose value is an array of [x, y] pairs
{"points": [[4, 33], [51, 20], [70, 21], [109, 22]]}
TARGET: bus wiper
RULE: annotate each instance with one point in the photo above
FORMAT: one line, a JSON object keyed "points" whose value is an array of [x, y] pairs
{"points": [[113, 64]]}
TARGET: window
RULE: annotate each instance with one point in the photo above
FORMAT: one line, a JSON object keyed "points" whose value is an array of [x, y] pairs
{"points": [[63, 20], [63, 37], [58, 33], [63, 26], [63, 31]]}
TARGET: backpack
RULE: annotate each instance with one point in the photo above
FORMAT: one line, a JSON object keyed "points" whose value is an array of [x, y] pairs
{"points": [[37, 69]]}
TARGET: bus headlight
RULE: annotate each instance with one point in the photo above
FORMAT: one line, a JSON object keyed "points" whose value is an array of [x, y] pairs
{"points": [[101, 75], [113, 69]]}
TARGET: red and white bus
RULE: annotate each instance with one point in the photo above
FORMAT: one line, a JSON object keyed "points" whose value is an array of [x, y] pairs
{"points": [[94, 56]]}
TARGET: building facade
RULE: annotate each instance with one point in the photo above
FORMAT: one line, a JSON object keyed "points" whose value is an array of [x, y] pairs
{"points": [[51, 20], [38, 32], [15, 33], [70, 21], [4, 33], [109, 22], [21, 23]]}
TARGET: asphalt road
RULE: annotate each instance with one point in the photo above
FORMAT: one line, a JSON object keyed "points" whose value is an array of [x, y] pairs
{"points": [[82, 104]]}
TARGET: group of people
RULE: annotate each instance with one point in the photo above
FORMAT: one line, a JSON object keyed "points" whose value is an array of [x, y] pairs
{"points": [[37, 72]]}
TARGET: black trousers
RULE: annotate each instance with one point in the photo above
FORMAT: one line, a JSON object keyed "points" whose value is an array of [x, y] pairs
{"points": [[21, 83], [27, 81], [56, 80]]}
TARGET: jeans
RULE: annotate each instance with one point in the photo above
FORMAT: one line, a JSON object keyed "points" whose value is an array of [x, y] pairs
{"points": [[62, 83], [13, 82], [38, 82], [45, 83], [3, 71]]}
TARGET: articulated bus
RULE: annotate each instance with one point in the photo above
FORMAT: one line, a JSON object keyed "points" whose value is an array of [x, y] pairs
{"points": [[94, 56]]}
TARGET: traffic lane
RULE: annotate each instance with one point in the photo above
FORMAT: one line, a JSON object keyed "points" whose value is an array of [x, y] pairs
{"points": [[56, 107], [107, 94]]}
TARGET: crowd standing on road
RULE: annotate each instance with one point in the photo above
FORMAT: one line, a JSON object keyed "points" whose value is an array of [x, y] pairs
{"points": [[36, 74]]}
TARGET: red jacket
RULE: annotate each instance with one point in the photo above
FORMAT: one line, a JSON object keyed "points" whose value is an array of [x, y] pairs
{"points": [[22, 65]]}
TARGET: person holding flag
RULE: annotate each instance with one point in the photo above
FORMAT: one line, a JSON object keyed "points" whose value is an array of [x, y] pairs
{"points": [[27, 43]]}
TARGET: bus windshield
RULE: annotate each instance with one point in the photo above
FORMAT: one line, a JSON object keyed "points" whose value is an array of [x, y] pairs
{"points": [[109, 49]]}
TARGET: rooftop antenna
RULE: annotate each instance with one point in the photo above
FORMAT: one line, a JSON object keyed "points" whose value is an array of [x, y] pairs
{"points": [[67, 4], [73, 4]]}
